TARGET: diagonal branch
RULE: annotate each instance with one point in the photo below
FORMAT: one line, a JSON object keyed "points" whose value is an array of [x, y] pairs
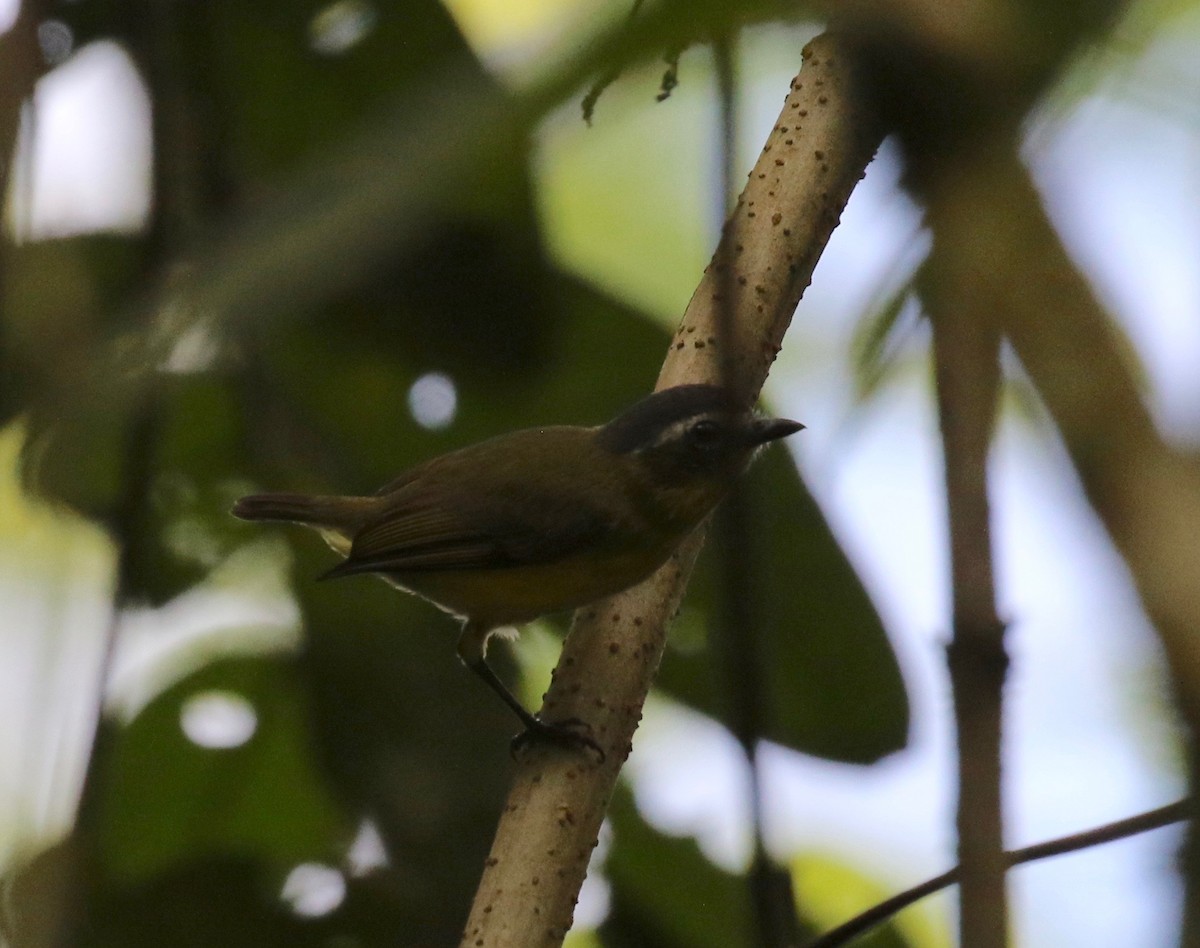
{"points": [[816, 154]]}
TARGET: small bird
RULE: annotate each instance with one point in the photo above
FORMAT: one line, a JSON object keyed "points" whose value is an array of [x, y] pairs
{"points": [[541, 520]]}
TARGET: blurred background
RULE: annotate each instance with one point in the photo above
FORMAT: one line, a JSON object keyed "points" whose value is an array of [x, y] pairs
{"points": [[305, 245]]}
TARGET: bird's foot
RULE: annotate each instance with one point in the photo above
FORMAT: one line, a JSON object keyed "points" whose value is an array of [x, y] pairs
{"points": [[571, 733]]}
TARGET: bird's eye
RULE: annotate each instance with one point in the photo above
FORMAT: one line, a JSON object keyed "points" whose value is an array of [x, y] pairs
{"points": [[704, 433]]}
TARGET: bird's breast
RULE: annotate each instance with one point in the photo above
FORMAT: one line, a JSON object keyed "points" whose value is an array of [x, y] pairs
{"points": [[517, 594]]}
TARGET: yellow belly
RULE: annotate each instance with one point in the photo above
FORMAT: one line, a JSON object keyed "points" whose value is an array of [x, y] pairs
{"points": [[514, 595]]}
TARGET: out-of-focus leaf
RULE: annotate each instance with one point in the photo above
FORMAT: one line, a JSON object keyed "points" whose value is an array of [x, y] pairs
{"points": [[59, 312], [407, 736], [193, 469], [339, 404], [184, 447], [58, 302], [168, 800], [471, 295], [34, 893], [874, 348], [830, 892], [211, 899], [666, 894], [463, 288], [582, 939], [294, 78], [76, 451], [236, 903], [833, 686]]}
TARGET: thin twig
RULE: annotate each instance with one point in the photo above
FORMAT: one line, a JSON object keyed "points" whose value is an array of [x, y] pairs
{"points": [[607, 78], [1109, 832], [174, 225]]}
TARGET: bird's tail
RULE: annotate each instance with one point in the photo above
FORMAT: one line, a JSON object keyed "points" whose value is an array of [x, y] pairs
{"points": [[343, 514]]}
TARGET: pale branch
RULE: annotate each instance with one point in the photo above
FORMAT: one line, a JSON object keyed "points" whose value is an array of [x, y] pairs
{"points": [[1108, 833], [816, 153]]}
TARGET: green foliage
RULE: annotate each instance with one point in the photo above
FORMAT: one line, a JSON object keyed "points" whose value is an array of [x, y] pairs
{"points": [[832, 891], [168, 800], [368, 231], [667, 894], [691, 903], [828, 683]]}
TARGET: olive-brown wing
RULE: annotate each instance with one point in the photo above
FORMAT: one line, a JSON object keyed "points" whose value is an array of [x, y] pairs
{"points": [[512, 524]]}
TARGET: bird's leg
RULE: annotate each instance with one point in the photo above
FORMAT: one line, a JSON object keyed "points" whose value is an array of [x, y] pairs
{"points": [[559, 732], [471, 648], [484, 671]]}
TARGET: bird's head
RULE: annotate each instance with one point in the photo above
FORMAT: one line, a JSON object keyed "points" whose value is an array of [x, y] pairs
{"points": [[691, 436]]}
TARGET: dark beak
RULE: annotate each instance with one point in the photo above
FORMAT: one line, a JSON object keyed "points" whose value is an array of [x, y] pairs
{"points": [[772, 429]]}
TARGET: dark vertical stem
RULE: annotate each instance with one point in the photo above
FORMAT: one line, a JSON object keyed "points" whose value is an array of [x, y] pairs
{"points": [[736, 630], [966, 359], [20, 66], [130, 529], [175, 221], [736, 637]]}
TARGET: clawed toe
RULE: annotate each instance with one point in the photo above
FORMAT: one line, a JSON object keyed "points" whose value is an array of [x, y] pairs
{"points": [[572, 733]]}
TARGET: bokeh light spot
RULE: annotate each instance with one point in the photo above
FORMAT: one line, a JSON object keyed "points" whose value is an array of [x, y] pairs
{"points": [[433, 400], [367, 853], [313, 889], [218, 720], [341, 26], [56, 39]]}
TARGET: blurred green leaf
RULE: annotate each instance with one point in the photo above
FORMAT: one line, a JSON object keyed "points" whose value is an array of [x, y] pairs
{"points": [[163, 471], [874, 355], [833, 686], [195, 469], [406, 735], [59, 298], [168, 800], [335, 406], [211, 899], [832, 891], [60, 312], [665, 893], [294, 78]]}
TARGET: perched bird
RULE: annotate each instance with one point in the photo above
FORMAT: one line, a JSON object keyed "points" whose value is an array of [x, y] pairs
{"points": [[540, 520]]}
